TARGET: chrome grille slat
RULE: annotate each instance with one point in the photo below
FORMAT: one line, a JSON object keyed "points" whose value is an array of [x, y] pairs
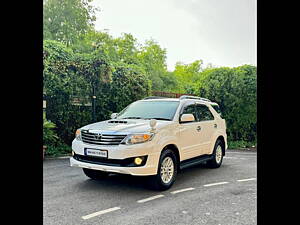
{"points": [[118, 136], [97, 141], [106, 139], [102, 143]]}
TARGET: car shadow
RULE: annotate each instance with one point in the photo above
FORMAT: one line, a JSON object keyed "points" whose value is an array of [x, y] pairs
{"points": [[127, 183], [117, 183]]}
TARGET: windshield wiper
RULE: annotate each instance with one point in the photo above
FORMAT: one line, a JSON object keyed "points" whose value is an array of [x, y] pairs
{"points": [[158, 118]]}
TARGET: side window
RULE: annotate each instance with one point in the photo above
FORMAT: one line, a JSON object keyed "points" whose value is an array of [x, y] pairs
{"points": [[190, 109], [217, 108], [203, 113]]}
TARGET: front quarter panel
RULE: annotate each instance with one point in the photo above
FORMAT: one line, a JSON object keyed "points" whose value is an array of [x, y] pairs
{"points": [[167, 135]]}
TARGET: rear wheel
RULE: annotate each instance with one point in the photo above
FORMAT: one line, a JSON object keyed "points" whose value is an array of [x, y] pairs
{"points": [[167, 171], [94, 174], [217, 159]]}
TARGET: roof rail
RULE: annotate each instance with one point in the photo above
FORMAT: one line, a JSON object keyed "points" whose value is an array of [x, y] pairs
{"points": [[194, 97], [153, 97]]}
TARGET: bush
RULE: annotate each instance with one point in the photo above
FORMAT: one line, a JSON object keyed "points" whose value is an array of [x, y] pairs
{"points": [[235, 91], [58, 150], [240, 144], [68, 75], [49, 135]]}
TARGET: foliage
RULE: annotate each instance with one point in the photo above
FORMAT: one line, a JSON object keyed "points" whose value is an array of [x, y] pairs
{"points": [[129, 84], [67, 20], [241, 144], [49, 135], [235, 91], [187, 75], [68, 75], [153, 60], [58, 150]]}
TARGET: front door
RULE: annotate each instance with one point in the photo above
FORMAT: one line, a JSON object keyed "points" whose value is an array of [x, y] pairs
{"points": [[190, 133]]}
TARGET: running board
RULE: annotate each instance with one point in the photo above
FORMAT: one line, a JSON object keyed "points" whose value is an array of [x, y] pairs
{"points": [[194, 161]]}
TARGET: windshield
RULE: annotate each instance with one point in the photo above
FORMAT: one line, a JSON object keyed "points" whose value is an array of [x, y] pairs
{"points": [[163, 110]]}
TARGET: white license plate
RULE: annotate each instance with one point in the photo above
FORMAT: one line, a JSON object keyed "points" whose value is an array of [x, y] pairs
{"points": [[96, 152]]}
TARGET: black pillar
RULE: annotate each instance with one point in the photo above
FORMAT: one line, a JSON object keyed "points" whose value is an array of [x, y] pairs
{"points": [[94, 104]]}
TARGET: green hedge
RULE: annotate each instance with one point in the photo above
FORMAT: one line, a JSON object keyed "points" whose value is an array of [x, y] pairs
{"points": [[235, 91], [68, 75]]}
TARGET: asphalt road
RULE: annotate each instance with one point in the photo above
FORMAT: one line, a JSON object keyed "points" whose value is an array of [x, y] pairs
{"points": [[223, 196]]}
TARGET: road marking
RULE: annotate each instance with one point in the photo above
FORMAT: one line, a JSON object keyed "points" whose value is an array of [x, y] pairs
{"points": [[149, 199], [208, 185], [182, 190], [246, 179], [100, 213]]}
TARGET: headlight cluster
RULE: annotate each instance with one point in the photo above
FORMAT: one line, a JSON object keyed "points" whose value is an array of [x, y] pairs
{"points": [[137, 138], [78, 135]]}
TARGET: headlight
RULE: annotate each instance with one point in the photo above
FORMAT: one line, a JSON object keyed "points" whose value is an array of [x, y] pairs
{"points": [[78, 135], [137, 138]]}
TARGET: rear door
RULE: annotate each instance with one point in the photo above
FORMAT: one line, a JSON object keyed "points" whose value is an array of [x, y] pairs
{"points": [[208, 126]]}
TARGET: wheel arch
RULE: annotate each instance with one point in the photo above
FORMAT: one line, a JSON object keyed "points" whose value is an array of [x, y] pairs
{"points": [[175, 149], [222, 139]]}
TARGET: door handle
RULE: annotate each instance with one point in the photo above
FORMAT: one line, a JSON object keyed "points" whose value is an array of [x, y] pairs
{"points": [[215, 125], [198, 128]]}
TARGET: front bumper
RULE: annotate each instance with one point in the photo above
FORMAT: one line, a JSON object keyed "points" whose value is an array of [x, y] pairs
{"points": [[119, 152], [136, 171]]}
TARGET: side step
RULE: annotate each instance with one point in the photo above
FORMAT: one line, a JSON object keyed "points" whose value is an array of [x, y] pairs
{"points": [[194, 161]]}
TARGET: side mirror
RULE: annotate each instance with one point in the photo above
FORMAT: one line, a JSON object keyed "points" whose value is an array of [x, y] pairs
{"points": [[114, 115], [187, 118]]}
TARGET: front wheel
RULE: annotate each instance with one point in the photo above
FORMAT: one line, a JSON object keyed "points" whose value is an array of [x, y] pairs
{"points": [[94, 174], [166, 173], [217, 158]]}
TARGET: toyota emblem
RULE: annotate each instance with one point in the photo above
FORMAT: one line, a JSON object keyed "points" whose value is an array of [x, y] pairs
{"points": [[98, 136]]}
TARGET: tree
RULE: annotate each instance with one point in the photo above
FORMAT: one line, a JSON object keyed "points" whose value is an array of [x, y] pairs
{"points": [[187, 75], [67, 20], [68, 74], [235, 91], [153, 60]]}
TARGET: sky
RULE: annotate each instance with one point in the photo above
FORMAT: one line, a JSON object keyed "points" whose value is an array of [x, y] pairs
{"points": [[219, 32]]}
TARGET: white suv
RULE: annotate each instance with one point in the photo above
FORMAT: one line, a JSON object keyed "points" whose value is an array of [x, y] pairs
{"points": [[153, 137]]}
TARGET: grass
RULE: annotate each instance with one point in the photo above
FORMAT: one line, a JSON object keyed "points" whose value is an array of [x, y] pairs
{"points": [[60, 150], [240, 144]]}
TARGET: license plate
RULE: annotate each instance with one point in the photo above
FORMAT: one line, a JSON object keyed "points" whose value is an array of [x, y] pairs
{"points": [[96, 152]]}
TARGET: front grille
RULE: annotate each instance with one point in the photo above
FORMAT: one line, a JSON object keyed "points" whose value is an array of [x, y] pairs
{"points": [[104, 139]]}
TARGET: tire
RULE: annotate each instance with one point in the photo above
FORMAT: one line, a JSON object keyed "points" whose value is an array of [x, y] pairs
{"points": [[217, 159], [94, 174], [167, 163]]}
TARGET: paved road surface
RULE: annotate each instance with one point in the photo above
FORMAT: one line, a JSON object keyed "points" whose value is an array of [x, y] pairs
{"points": [[200, 195]]}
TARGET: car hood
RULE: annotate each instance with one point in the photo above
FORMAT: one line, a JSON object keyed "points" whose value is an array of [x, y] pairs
{"points": [[125, 126]]}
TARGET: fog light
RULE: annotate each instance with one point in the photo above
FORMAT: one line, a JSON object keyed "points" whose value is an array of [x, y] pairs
{"points": [[138, 161]]}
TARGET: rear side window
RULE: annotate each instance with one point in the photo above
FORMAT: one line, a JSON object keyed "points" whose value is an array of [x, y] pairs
{"points": [[203, 113], [217, 108]]}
